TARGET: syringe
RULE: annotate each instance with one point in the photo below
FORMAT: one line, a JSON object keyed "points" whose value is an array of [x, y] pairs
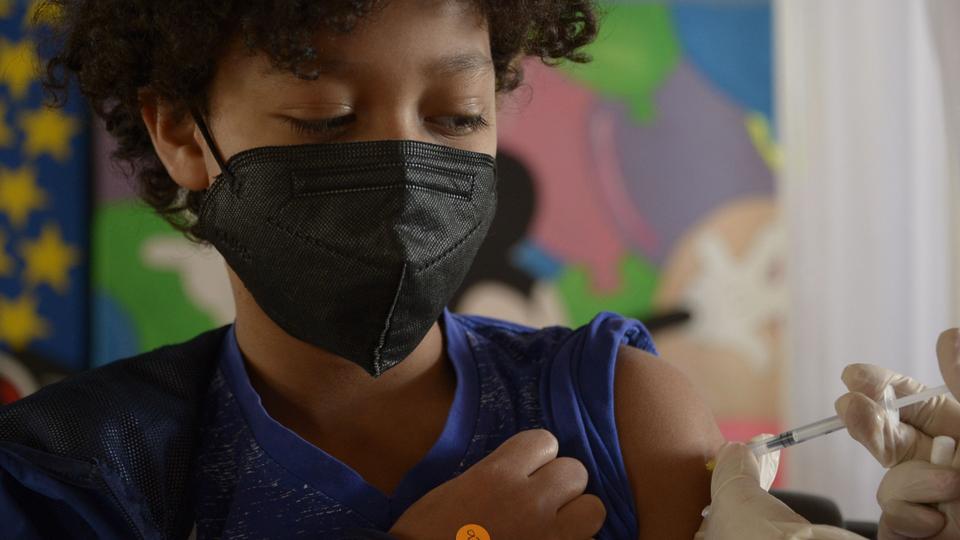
{"points": [[834, 423]]}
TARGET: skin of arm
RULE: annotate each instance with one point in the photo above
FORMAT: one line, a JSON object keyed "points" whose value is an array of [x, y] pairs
{"points": [[667, 434]]}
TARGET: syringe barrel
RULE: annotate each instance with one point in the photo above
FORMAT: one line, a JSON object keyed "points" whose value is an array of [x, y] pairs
{"points": [[817, 429], [796, 436]]}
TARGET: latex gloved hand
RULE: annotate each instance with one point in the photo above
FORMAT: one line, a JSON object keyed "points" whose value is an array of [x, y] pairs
{"points": [[905, 495], [911, 438], [741, 508], [912, 483]]}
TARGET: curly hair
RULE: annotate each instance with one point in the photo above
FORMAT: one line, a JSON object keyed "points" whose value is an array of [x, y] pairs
{"points": [[116, 48]]}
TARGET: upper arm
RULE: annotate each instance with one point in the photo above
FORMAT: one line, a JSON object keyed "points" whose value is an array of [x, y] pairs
{"points": [[667, 434]]}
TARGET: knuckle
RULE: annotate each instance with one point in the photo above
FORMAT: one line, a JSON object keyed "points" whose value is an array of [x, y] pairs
{"points": [[884, 531], [587, 519], [947, 482], [887, 458], [568, 474], [857, 377], [948, 336], [544, 438], [596, 508], [533, 437], [522, 437], [571, 466], [499, 471], [849, 373], [886, 454], [489, 470], [543, 506], [889, 488]]}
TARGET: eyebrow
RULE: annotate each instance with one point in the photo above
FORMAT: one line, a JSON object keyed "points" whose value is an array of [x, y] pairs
{"points": [[468, 62], [458, 63]]}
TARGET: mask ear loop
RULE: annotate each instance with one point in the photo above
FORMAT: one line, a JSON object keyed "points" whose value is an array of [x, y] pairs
{"points": [[205, 132]]}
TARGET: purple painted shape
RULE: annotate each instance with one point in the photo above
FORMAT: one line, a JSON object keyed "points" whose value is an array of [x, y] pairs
{"points": [[696, 157], [610, 184], [112, 183]]}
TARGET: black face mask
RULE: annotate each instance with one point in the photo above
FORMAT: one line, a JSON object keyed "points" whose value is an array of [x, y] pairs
{"points": [[353, 247]]}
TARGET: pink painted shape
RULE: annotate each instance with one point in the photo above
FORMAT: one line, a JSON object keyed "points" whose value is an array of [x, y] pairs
{"points": [[744, 430], [547, 133]]}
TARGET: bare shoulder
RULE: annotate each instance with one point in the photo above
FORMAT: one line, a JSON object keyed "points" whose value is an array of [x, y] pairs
{"points": [[667, 434], [649, 391]]}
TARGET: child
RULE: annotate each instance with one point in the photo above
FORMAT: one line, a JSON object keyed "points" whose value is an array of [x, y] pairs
{"points": [[340, 156]]}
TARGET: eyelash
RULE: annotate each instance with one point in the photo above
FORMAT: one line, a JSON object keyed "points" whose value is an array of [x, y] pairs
{"points": [[460, 125], [469, 123], [318, 127]]}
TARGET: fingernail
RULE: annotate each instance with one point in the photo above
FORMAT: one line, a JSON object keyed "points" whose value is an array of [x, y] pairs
{"points": [[845, 375], [842, 403]]}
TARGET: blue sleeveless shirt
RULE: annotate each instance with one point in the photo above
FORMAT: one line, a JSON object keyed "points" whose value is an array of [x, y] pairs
{"points": [[254, 478]]}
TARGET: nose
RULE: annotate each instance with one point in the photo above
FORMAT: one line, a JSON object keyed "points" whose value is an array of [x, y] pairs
{"points": [[391, 121]]}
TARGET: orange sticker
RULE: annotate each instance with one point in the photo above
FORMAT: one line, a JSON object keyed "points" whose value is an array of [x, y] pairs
{"points": [[472, 532]]}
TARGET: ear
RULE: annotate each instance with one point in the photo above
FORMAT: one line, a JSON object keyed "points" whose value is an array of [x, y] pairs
{"points": [[173, 139]]}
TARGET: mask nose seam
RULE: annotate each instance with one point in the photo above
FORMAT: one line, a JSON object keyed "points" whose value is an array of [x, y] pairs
{"points": [[377, 354]]}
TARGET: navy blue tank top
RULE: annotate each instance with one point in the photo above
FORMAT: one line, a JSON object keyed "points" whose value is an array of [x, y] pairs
{"points": [[254, 478]]}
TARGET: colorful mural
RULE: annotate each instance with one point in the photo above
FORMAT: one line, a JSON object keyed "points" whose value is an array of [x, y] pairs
{"points": [[44, 203]]}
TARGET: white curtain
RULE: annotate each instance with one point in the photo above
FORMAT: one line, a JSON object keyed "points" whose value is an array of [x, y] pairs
{"points": [[868, 202], [945, 26]]}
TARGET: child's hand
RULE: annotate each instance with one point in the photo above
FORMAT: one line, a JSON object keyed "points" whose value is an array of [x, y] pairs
{"points": [[521, 490]]}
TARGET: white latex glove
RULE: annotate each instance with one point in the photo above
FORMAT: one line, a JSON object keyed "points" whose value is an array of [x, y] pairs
{"points": [[904, 495], [912, 482], [741, 508], [912, 437]]}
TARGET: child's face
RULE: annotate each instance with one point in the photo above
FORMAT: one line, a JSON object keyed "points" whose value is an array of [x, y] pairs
{"points": [[416, 69]]}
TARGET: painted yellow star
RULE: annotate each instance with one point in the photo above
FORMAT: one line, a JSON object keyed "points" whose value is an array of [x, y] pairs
{"points": [[19, 66], [6, 6], [48, 130], [20, 195], [6, 262], [43, 12], [49, 259], [20, 323]]}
